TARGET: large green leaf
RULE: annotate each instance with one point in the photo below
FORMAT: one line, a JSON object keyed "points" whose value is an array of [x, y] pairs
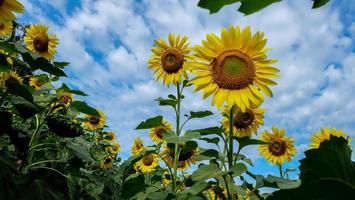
{"points": [[209, 131], [238, 169], [65, 88], [25, 108], [215, 5], [319, 3], [250, 6], [200, 114], [133, 185], [37, 62], [245, 141], [80, 148], [167, 102], [205, 172], [83, 107], [151, 123], [170, 137], [16, 88]]}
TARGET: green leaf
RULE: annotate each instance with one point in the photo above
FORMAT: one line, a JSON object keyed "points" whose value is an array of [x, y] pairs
{"points": [[205, 172], [209, 131], [214, 140], [215, 5], [245, 141], [206, 155], [80, 148], [82, 107], [65, 88], [61, 65], [200, 114], [197, 188], [245, 159], [167, 102], [133, 185], [37, 62], [238, 169], [8, 47], [25, 108], [151, 123], [319, 3], [17, 89], [250, 6], [273, 182], [170, 137]]}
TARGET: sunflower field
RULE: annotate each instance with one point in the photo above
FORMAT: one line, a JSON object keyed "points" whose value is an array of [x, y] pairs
{"points": [[54, 146]]}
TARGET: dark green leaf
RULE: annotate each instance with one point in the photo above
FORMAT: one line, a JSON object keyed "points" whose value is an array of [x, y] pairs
{"points": [[214, 140], [238, 169], [170, 137], [25, 108], [65, 88], [205, 172], [133, 185], [245, 141], [82, 107], [250, 6], [8, 47], [15, 88], [209, 131], [214, 5], [319, 3], [200, 114], [80, 149], [61, 65], [167, 102], [151, 123], [37, 62]]}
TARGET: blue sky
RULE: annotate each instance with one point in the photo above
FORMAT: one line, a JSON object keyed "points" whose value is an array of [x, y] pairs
{"points": [[108, 43]]}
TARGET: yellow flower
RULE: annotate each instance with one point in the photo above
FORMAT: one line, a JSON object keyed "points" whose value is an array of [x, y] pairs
{"points": [[138, 146], [156, 133], [324, 134], [110, 137], [148, 163], [35, 82], [5, 59], [64, 98], [107, 162], [113, 149], [9, 6], [170, 61], [281, 148], [5, 28], [166, 179], [94, 122], [217, 193], [12, 76], [245, 123], [38, 41], [233, 68], [185, 157]]}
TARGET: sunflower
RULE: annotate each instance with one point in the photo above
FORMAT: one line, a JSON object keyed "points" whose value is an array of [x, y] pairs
{"points": [[281, 148], [156, 133], [95, 122], [113, 149], [107, 162], [109, 137], [324, 134], [234, 68], [5, 28], [245, 123], [166, 179], [64, 98], [9, 6], [217, 193], [38, 41], [148, 163], [188, 150], [36, 83], [171, 61], [13, 76], [138, 146], [5, 59]]}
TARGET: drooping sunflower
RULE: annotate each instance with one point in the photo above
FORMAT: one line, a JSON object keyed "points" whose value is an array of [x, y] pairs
{"points": [[7, 7], [36, 83], [187, 151], [245, 123], [113, 149], [5, 29], [156, 133], [324, 134], [38, 41], [234, 68], [107, 162], [109, 137], [64, 98], [13, 76], [217, 193], [148, 163], [279, 149], [95, 122], [171, 61], [137, 146]]}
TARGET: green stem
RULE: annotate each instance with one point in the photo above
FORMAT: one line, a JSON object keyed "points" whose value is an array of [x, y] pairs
{"points": [[280, 170], [227, 187], [176, 150], [236, 157], [48, 168], [231, 127], [169, 169], [44, 161]]}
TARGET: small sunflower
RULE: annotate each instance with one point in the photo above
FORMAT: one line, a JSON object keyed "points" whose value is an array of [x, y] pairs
{"points": [[234, 68], [109, 137], [217, 193], [5, 28], [170, 61], [113, 149], [324, 134], [281, 148], [38, 41], [148, 163], [7, 7], [13, 76], [166, 179], [94, 122], [36, 83], [156, 133], [245, 123], [138, 146], [107, 162], [188, 150], [64, 98]]}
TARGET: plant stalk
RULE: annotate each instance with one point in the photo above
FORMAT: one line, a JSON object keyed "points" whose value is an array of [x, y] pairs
{"points": [[176, 150], [280, 170], [231, 127]]}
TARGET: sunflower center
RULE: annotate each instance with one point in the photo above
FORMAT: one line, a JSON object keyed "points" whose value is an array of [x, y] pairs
{"points": [[1, 2], [233, 70], [40, 43], [2, 25], [185, 156], [277, 147], [3, 60], [244, 119], [172, 60], [94, 120], [107, 160], [64, 99], [148, 160], [160, 131]]}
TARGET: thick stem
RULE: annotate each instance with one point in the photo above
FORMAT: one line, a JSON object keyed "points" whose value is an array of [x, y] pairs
{"points": [[176, 150], [227, 187], [231, 127], [280, 170]]}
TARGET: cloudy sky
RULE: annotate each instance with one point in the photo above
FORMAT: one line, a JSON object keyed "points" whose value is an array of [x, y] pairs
{"points": [[108, 44]]}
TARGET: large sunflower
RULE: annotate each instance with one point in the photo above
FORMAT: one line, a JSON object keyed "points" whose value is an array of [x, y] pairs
{"points": [[137, 146], [94, 123], [156, 133], [9, 6], [279, 149], [188, 150], [38, 41], [148, 163], [234, 68], [12, 76], [170, 61], [324, 134], [5, 28], [245, 123]]}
